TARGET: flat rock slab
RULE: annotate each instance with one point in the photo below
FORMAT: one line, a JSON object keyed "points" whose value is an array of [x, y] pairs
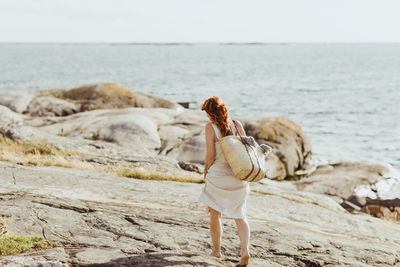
{"points": [[106, 220], [55, 257]]}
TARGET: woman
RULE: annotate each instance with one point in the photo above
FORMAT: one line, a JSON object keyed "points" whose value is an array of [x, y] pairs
{"points": [[223, 193]]}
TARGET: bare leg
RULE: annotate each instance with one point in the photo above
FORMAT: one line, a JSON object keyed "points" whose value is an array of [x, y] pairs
{"points": [[216, 232], [244, 236]]}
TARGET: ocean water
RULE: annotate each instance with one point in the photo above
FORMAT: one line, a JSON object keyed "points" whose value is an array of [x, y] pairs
{"points": [[346, 97]]}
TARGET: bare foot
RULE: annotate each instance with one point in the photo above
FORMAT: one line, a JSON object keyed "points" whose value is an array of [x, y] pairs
{"points": [[216, 254], [244, 260]]}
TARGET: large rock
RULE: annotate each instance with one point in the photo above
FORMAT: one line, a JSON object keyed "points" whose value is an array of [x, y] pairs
{"points": [[165, 130], [184, 138], [105, 219], [125, 137], [63, 102], [292, 148], [340, 180], [135, 129], [384, 209], [9, 120], [358, 187], [171, 134], [55, 257], [16, 101], [113, 95], [191, 149], [375, 191], [100, 153], [9, 117], [136, 132], [51, 106]]}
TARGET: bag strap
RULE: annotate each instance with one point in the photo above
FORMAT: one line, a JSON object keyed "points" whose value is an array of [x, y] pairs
{"points": [[247, 150], [234, 131]]}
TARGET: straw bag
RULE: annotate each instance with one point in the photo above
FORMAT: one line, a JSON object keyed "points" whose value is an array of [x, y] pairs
{"points": [[245, 156]]}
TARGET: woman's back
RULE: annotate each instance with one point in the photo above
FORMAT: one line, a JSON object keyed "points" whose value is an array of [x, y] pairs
{"points": [[219, 155], [223, 191]]}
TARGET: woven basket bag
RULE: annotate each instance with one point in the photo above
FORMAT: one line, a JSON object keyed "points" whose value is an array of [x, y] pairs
{"points": [[245, 156]]}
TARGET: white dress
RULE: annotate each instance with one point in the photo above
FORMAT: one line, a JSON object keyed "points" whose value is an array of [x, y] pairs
{"points": [[223, 191]]}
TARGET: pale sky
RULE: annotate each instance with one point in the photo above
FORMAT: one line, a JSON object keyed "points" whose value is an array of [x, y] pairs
{"points": [[200, 21]]}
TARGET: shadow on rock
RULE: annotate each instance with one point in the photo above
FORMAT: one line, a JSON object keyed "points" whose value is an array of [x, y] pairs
{"points": [[160, 260]]}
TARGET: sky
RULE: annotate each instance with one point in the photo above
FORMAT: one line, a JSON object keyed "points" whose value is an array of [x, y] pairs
{"points": [[200, 21]]}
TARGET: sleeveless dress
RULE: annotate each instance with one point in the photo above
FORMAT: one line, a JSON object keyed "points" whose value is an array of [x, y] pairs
{"points": [[223, 191]]}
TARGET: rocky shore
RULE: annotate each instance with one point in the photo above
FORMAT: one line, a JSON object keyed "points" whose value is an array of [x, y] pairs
{"points": [[65, 155]]}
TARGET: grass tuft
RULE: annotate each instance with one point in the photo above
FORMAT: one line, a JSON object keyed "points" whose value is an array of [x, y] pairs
{"points": [[15, 244], [142, 174], [62, 132], [32, 148], [95, 135], [3, 227]]}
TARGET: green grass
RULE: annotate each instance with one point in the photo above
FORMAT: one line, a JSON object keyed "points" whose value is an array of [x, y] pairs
{"points": [[16, 244]]}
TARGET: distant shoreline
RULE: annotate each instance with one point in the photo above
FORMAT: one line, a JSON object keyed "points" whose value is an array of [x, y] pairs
{"points": [[198, 43]]}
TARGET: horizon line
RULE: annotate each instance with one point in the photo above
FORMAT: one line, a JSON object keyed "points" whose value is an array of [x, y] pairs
{"points": [[200, 43]]}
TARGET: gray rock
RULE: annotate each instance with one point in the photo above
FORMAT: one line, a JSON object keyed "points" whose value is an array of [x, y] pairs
{"points": [[171, 135], [189, 167], [128, 222], [191, 119], [341, 179], [55, 257], [135, 129], [148, 131], [63, 102], [16, 101], [111, 96], [105, 219], [9, 117], [183, 139], [97, 255], [191, 149], [136, 132], [50, 106], [291, 145]]}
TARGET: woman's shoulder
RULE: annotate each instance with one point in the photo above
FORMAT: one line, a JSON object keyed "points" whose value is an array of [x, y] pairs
{"points": [[209, 127]]}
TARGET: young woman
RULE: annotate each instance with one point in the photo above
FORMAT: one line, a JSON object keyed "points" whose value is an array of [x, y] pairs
{"points": [[223, 193]]}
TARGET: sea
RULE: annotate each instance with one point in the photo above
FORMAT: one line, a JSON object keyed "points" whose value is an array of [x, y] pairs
{"points": [[346, 97]]}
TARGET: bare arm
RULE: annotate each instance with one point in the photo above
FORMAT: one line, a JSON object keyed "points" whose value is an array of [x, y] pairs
{"points": [[210, 148]]}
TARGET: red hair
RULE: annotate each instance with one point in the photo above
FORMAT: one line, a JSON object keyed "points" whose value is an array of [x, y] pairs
{"points": [[218, 112]]}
